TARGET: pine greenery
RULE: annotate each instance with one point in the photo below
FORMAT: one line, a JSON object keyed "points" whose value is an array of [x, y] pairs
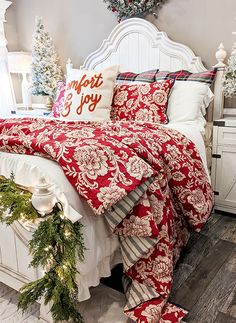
{"points": [[128, 8], [229, 81], [15, 202], [46, 71], [55, 246]]}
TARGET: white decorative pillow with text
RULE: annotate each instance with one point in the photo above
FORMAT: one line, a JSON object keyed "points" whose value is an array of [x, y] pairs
{"points": [[88, 95]]}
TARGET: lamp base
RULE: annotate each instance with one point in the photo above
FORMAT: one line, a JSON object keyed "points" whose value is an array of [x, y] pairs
{"points": [[26, 94], [49, 104]]}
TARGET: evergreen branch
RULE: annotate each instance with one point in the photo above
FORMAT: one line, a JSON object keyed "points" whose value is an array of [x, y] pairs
{"points": [[15, 203], [55, 246], [129, 8]]}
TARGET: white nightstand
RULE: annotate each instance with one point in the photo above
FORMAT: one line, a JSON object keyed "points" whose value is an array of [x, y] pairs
{"points": [[37, 110], [224, 164], [31, 113]]}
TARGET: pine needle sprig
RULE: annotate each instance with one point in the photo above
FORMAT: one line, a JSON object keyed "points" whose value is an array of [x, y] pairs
{"points": [[15, 203], [55, 246]]}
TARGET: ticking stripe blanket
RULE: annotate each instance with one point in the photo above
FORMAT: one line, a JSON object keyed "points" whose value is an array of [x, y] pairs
{"points": [[147, 180]]}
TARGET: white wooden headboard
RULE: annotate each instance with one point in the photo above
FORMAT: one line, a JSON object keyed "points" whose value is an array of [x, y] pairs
{"points": [[136, 45]]}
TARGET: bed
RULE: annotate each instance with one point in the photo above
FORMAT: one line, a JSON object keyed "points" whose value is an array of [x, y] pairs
{"points": [[135, 45]]}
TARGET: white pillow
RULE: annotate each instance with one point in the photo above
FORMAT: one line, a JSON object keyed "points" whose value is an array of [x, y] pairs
{"points": [[207, 100], [188, 102], [89, 94]]}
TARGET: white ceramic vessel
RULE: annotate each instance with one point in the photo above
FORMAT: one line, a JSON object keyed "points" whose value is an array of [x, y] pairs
{"points": [[43, 198]]}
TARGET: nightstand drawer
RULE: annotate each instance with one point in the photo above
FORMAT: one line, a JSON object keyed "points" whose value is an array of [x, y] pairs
{"points": [[226, 136], [223, 172]]}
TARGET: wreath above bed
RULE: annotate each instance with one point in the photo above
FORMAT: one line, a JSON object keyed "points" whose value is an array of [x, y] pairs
{"points": [[129, 8]]}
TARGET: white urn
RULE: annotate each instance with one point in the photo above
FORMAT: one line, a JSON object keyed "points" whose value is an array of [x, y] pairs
{"points": [[43, 198]]}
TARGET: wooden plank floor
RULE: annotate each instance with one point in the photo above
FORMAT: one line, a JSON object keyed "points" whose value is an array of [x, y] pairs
{"points": [[205, 277]]}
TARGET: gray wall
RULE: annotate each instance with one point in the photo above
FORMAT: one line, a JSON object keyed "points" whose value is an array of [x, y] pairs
{"points": [[200, 24], [78, 27]]}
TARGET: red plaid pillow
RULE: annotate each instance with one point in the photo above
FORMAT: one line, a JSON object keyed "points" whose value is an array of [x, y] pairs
{"points": [[59, 101], [147, 76], [141, 102], [183, 75]]}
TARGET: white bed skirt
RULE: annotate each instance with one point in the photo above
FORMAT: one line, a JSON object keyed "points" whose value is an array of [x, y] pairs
{"points": [[100, 243]]}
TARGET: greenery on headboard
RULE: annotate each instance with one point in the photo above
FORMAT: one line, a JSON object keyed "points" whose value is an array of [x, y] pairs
{"points": [[129, 8]]}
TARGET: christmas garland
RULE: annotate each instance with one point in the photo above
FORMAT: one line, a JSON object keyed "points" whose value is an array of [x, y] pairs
{"points": [[128, 8], [54, 246]]}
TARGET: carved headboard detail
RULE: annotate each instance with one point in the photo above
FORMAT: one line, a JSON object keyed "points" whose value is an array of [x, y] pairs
{"points": [[137, 45]]}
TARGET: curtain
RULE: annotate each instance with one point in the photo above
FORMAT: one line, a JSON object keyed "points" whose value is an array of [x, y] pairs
{"points": [[7, 99]]}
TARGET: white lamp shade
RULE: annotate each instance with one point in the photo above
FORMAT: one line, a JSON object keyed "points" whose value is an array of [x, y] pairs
{"points": [[19, 62]]}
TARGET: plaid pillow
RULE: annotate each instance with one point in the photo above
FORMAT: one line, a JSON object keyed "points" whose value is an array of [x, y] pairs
{"points": [[147, 76], [183, 75]]}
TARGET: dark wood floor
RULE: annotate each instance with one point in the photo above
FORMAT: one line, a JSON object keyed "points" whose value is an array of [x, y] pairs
{"points": [[205, 277]]}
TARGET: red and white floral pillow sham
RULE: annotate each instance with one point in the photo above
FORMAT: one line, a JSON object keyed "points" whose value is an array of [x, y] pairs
{"points": [[141, 102], [59, 101]]}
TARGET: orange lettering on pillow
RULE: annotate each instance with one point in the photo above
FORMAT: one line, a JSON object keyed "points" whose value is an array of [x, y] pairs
{"points": [[95, 82], [72, 85], [76, 85], [67, 105], [98, 81], [93, 98], [85, 84]]}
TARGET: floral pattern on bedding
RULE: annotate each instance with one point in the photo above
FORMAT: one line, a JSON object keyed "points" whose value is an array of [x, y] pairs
{"points": [[105, 162], [141, 102]]}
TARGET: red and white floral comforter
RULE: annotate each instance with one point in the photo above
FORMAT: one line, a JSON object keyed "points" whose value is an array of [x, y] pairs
{"points": [[107, 161]]}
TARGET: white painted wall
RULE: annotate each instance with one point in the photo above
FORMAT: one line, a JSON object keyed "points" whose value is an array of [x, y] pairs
{"points": [[77, 27], [200, 24]]}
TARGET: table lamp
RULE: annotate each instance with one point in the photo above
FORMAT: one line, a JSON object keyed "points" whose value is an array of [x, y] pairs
{"points": [[20, 63]]}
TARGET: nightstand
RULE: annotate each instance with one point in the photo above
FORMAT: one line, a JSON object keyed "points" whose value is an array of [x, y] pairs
{"points": [[31, 113], [37, 110], [224, 164]]}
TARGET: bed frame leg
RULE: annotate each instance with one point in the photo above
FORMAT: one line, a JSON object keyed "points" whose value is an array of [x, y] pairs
{"points": [[45, 314]]}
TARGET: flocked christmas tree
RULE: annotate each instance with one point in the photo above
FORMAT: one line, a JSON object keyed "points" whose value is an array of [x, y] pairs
{"points": [[229, 81], [46, 71]]}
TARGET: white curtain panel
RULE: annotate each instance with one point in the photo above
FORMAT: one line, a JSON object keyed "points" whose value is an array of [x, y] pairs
{"points": [[7, 99]]}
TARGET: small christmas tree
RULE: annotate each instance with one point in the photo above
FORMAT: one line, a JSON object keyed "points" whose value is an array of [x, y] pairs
{"points": [[45, 68], [229, 81]]}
